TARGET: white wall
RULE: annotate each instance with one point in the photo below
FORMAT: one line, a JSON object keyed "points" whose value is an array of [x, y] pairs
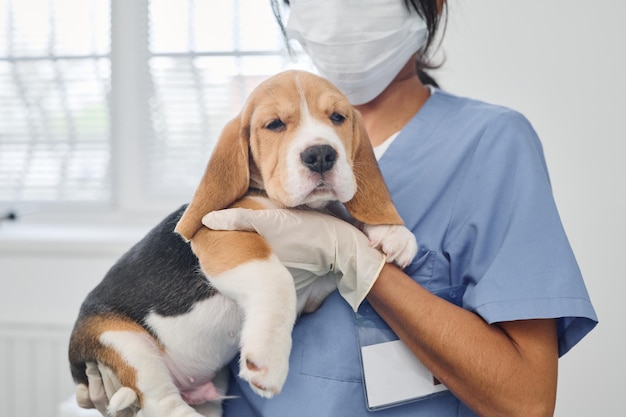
{"points": [[46, 270], [45, 273], [563, 64]]}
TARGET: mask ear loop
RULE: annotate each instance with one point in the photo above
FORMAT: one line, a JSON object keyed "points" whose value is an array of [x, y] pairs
{"points": [[277, 10]]}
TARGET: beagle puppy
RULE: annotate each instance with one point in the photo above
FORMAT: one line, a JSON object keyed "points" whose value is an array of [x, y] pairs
{"points": [[169, 316]]}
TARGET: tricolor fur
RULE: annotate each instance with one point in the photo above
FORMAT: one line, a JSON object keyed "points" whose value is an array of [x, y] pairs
{"points": [[170, 315]]}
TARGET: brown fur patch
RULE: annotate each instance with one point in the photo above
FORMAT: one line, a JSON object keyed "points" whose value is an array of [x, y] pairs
{"points": [[221, 250], [253, 203], [372, 202], [85, 346], [225, 179], [225, 249]]}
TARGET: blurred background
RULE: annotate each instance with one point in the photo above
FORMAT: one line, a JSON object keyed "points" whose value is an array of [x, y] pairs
{"points": [[109, 110]]}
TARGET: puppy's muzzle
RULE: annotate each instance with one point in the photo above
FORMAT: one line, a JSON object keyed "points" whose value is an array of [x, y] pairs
{"points": [[319, 158]]}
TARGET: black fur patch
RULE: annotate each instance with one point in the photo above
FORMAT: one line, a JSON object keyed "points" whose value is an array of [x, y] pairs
{"points": [[159, 274]]}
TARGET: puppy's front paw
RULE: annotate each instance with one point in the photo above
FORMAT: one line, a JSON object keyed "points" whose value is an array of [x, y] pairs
{"points": [[265, 365], [397, 242]]}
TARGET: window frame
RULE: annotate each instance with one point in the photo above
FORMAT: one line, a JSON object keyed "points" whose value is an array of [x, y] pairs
{"points": [[130, 121], [129, 110]]}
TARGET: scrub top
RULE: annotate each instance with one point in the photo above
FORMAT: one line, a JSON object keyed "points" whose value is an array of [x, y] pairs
{"points": [[470, 181]]}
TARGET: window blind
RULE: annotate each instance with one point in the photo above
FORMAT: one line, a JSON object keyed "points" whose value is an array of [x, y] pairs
{"points": [[54, 115], [63, 88], [205, 58]]}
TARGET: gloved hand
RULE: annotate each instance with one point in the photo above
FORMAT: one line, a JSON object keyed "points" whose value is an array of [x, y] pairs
{"points": [[311, 241], [106, 394]]}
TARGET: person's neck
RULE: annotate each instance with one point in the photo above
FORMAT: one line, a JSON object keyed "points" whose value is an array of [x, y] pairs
{"points": [[394, 107]]}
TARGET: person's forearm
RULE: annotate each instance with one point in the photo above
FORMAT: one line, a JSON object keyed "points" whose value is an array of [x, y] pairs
{"points": [[497, 370]]}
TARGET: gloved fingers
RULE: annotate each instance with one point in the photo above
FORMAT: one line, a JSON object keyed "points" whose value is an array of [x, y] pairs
{"points": [[82, 396], [122, 401], [301, 239], [109, 380], [265, 222], [96, 391], [230, 219]]}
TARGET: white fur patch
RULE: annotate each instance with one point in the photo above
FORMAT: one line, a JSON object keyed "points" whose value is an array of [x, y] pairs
{"points": [[201, 342], [339, 182], [266, 293], [397, 242]]}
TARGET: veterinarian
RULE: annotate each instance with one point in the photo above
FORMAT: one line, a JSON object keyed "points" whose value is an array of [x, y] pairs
{"points": [[494, 296]]}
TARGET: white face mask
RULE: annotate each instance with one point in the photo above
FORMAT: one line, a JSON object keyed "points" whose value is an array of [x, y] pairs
{"points": [[358, 45]]}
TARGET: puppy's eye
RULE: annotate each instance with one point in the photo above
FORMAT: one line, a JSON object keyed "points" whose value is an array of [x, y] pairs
{"points": [[276, 125], [337, 118]]}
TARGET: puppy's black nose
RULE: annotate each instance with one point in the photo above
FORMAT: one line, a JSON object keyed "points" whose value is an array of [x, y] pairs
{"points": [[319, 158]]}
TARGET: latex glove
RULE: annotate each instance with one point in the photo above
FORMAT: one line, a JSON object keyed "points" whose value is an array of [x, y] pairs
{"points": [[106, 394], [311, 241]]}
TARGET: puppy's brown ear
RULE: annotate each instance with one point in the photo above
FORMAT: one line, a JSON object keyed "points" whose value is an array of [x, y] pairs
{"points": [[226, 178], [372, 202]]}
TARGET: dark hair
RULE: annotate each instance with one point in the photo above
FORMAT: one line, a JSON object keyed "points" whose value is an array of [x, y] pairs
{"points": [[426, 9], [429, 11]]}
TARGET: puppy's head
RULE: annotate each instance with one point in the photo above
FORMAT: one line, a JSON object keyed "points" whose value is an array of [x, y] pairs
{"points": [[298, 139], [302, 140]]}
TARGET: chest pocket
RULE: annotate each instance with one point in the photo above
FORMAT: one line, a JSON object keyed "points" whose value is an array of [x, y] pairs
{"points": [[325, 343], [432, 271], [423, 265]]}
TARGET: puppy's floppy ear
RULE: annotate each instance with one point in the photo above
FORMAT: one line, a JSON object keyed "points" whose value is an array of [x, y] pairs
{"points": [[372, 202], [226, 178]]}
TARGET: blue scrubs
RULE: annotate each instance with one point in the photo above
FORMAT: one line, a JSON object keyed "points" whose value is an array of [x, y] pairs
{"points": [[470, 181]]}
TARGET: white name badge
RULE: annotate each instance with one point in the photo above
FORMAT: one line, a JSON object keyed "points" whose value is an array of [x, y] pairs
{"points": [[393, 375]]}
